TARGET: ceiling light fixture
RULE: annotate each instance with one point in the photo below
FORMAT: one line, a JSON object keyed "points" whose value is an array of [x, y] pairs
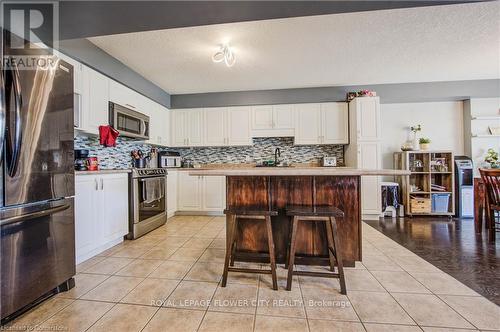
{"points": [[224, 54]]}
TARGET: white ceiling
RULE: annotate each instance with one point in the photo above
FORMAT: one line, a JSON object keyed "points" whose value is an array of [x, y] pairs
{"points": [[440, 43]]}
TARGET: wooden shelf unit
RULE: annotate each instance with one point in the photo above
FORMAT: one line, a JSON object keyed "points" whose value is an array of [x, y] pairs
{"points": [[421, 164]]}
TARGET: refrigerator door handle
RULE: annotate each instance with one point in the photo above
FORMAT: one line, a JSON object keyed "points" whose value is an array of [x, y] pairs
{"points": [[34, 215], [18, 134], [3, 106]]}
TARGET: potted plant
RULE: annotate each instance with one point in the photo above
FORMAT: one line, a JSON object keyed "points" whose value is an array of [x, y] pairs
{"points": [[492, 158], [415, 130], [424, 143]]}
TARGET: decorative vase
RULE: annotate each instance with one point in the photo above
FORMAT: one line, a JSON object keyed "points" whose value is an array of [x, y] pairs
{"points": [[415, 142], [424, 146]]}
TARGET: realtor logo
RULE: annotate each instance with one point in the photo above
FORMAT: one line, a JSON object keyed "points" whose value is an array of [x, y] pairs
{"points": [[29, 31]]}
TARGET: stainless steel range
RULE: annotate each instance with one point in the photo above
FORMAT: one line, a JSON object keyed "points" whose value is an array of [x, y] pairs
{"points": [[148, 200]]}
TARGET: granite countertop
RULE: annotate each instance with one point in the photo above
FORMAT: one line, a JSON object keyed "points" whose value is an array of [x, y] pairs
{"points": [[103, 171], [293, 171]]}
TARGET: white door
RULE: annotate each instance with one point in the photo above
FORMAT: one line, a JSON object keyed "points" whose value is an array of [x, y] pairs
{"points": [[114, 221], [179, 128], [172, 179], [335, 123], [308, 124], [189, 195], [97, 99], [238, 126], [368, 118], [195, 127], [283, 117], [87, 207], [214, 193], [262, 117], [215, 126]]}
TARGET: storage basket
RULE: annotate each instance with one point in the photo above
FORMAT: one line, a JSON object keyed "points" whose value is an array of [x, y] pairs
{"points": [[420, 205], [440, 203]]}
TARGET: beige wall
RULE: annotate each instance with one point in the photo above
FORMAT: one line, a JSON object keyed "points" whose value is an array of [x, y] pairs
{"points": [[442, 122]]}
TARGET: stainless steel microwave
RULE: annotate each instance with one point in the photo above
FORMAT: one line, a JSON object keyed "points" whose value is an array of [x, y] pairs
{"points": [[128, 122]]}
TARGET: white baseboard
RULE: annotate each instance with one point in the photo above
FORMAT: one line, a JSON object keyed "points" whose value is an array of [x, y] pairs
{"points": [[97, 251], [199, 213]]}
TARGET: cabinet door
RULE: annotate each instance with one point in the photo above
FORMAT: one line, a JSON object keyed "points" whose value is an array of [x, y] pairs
{"points": [[238, 126], [124, 96], [114, 221], [97, 100], [215, 126], [178, 128], [189, 198], [155, 122], [214, 193], [165, 118], [195, 127], [283, 117], [262, 117], [369, 158], [335, 123], [172, 180], [368, 118], [87, 205], [308, 124]]}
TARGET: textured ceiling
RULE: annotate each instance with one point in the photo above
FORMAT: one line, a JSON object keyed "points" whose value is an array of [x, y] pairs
{"points": [[442, 43]]}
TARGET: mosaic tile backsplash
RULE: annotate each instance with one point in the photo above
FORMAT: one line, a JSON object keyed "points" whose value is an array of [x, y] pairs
{"points": [[262, 149]]}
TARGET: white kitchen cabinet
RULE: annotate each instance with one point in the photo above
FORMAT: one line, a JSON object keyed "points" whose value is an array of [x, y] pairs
{"points": [[272, 121], [325, 123], [124, 96], [158, 124], [201, 193], [101, 212], [215, 124], [335, 123], [172, 187], [365, 112], [178, 128], [308, 120], [187, 128], [213, 193], [189, 193], [238, 126], [364, 151], [95, 97], [114, 192]]}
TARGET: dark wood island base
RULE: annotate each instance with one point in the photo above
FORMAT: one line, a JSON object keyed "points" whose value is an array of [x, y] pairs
{"points": [[278, 192]]}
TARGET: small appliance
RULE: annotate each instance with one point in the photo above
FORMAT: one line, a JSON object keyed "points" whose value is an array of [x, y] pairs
{"points": [[464, 187], [81, 160], [148, 200], [169, 159], [329, 161], [128, 122]]}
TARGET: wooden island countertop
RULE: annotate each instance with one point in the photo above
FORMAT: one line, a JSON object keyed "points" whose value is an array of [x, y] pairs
{"points": [[293, 171], [275, 188]]}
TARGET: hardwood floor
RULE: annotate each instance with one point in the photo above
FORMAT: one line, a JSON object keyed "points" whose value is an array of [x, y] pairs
{"points": [[452, 246]]}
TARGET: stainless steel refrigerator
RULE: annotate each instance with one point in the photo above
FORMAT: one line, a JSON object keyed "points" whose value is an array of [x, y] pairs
{"points": [[37, 185]]}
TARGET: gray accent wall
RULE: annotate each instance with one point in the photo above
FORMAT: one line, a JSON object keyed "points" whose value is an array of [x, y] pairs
{"points": [[389, 93], [89, 54]]}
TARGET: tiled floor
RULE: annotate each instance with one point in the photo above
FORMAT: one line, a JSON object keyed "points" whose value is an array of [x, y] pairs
{"points": [[169, 279]]}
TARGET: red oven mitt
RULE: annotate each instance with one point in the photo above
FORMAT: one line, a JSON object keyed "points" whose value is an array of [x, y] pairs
{"points": [[108, 135]]}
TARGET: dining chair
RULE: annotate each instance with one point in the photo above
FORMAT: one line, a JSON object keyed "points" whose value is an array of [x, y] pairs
{"points": [[491, 180]]}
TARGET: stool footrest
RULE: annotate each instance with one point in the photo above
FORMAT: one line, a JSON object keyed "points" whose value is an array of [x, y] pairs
{"points": [[241, 269], [316, 274]]}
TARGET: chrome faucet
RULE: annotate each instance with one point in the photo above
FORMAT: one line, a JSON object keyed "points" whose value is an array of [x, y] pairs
{"points": [[277, 153]]}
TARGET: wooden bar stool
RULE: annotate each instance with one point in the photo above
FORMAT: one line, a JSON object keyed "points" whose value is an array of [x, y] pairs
{"points": [[248, 213], [328, 214]]}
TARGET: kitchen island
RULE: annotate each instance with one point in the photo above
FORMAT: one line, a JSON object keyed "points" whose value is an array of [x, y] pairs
{"points": [[278, 187]]}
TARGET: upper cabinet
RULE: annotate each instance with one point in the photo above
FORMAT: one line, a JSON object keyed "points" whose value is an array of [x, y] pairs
{"points": [[124, 96], [216, 126], [325, 123], [365, 113], [187, 128], [159, 124], [272, 121], [94, 102]]}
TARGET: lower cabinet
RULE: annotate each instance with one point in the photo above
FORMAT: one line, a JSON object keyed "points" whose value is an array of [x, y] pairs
{"points": [[101, 213], [201, 193], [172, 187]]}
